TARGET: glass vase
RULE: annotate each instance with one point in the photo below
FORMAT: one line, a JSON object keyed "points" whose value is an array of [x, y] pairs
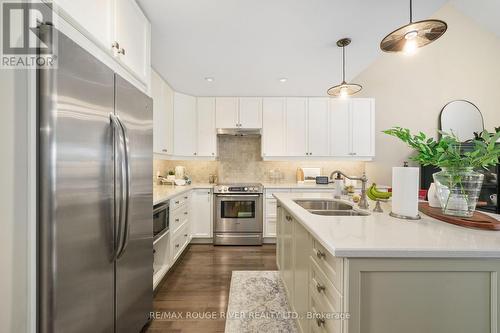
{"points": [[458, 190]]}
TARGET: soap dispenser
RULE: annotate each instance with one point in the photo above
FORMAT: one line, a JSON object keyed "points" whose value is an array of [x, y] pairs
{"points": [[338, 186]]}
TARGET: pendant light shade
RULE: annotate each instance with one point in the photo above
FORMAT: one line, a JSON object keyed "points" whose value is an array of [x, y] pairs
{"points": [[344, 89], [413, 35]]}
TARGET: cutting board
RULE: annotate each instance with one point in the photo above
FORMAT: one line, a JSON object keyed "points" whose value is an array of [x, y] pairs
{"points": [[477, 221]]}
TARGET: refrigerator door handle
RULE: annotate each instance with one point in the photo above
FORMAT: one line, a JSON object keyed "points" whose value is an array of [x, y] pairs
{"points": [[126, 225], [118, 132]]}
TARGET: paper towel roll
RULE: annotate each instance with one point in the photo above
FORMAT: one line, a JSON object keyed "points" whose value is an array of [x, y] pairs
{"points": [[405, 191]]}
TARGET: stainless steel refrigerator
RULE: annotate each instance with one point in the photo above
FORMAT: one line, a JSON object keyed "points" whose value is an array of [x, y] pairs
{"points": [[95, 195]]}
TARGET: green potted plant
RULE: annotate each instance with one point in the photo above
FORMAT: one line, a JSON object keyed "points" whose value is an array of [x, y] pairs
{"points": [[458, 184], [171, 175]]}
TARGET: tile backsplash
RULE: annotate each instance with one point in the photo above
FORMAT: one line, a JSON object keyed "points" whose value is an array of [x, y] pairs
{"points": [[240, 161]]}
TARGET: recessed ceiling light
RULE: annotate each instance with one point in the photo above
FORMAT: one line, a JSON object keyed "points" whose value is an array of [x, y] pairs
{"points": [[209, 79], [283, 79]]}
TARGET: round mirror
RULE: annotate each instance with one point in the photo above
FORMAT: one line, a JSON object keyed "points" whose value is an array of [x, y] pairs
{"points": [[461, 118]]}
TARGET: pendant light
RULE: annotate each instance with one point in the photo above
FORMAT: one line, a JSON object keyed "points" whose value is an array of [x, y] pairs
{"points": [[413, 35], [344, 89]]}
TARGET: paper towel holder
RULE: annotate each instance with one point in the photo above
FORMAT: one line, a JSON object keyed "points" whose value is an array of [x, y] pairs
{"points": [[403, 217]]}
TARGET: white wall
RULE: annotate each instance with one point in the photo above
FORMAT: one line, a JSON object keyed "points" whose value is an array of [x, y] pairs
{"points": [[411, 90]]}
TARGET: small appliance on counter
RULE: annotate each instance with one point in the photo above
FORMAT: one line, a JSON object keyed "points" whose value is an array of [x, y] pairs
{"points": [[405, 190]]}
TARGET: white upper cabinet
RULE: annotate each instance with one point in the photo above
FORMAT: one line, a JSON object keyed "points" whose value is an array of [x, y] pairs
{"points": [[250, 112], [363, 127], [318, 127], [234, 112], [132, 34], [273, 124], [206, 134], [96, 17], [119, 27], [352, 127], [340, 128], [162, 115], [226, 112], [185, 125], [296, 126]]}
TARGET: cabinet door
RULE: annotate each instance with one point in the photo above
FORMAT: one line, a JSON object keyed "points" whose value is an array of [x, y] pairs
{"points": [[362, 115], [296, 126], [184, 125], [201, 213], [207, 136], [132, 32], [287, 271], [317, 127], [160, 131], [95, 16], [340, 128], [273, 127], [301, 272], [250, 112], [226, 110]]}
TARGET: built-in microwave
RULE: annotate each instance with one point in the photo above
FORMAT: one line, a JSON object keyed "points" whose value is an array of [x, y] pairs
{"points": [[160, 219]]}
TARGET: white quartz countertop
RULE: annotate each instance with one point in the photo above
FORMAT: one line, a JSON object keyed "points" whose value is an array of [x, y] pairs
{"points": [[162, 193], [309, 186], [380, 235]]}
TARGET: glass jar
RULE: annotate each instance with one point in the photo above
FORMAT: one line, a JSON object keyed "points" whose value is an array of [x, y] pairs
{"points": [[458, 190]]}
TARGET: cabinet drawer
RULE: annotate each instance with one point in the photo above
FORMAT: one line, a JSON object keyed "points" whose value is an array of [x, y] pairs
{"points": [[179, 217], [330, 265], [324, 290], [324, 320], [180, 240], [271, 209], [179, 201], [270, 192]]}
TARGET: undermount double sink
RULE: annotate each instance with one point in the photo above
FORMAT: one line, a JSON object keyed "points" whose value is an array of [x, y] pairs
{"points": [[329, 208]]}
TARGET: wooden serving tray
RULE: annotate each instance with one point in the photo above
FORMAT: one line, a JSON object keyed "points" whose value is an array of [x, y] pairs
{"points": [[477, 221]]}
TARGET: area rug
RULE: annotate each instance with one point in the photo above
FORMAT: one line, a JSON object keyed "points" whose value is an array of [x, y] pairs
{"points": [[258, 303]]}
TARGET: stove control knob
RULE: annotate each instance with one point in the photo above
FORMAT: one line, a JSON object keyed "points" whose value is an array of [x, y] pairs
{"points": [[245, 189], [220, 189], [252, 189]]}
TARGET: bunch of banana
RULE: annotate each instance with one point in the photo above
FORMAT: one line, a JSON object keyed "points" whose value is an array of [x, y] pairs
{"points": [[375, 194]]}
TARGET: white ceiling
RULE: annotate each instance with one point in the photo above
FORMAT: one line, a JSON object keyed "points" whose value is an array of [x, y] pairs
{"points": [[247, 45]]}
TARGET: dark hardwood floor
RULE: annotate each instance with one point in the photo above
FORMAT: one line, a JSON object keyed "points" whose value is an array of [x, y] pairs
{"points": [[199, 283]]}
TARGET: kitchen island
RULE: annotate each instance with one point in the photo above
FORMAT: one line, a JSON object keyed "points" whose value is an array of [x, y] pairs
{"points": [[377, 273]]}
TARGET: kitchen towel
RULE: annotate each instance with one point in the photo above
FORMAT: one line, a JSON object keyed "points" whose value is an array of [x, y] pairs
{"points": [[405, 191]]}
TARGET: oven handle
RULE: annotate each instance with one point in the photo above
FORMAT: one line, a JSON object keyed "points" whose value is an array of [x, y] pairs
{"points": [[159, 208], [238, 195], [237, 236]]}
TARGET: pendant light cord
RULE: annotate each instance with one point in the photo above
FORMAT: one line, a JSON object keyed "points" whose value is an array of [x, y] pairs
{"points": [[411, 11], [343, 64]]}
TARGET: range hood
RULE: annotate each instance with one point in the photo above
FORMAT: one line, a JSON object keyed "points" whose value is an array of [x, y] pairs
{"points": [[239, 131]]}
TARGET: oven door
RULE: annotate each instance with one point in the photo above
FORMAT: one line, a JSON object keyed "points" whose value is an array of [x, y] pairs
{"points": [[238, 213]]}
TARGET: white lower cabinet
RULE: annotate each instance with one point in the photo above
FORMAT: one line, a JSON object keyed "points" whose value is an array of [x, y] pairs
{"points": [[380, 294], [201, 213]]}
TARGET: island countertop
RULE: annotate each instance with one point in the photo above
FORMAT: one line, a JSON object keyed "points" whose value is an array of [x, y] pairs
{"points": [[380, 235]]}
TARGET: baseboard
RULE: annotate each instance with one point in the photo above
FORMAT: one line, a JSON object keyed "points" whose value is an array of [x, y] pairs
{"points": [[269, 240], [202, 241]]}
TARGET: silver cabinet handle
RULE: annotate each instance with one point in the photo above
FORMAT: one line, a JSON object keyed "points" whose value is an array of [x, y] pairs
{"points": [[121, 51], [177, 220], [186, 197], [115, 45], [194, 153], [177, 201], [320, 322], [185, 235], [176, 245], [319, 287], [164, 150], [320, 255], [213, 153], [185, 213]]}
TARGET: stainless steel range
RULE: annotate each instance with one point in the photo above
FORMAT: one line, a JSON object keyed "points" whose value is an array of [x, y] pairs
{"points": [[238, 214]]}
